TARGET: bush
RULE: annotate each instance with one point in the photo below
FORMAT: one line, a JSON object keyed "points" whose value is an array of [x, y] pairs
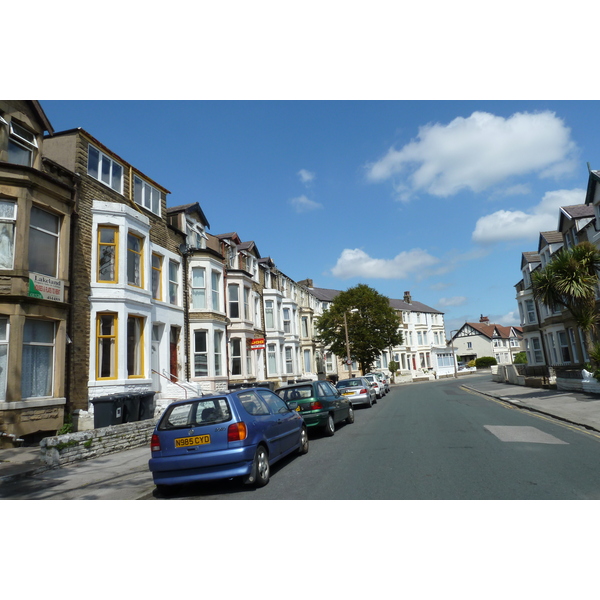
{"points": [[485, 362], [521, 358]]}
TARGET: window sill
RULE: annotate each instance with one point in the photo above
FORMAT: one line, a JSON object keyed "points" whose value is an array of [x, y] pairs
{"points": [[33, 403]]}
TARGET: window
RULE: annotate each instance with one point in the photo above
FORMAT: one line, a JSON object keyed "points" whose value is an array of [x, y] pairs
{"points": [[21, 144], [289, 361], [287, 324], [198, 287], [216, 284], [236, 356], [145, 195], [246, 304], [157, 261], [43, 242], [106, 346], [537, 350], [218, 339], [234, 301], [200, 354], [3, 357], [173, 282], [305, 327], [104, 169], [445, 360], [307, 361], [269, 314], [38, 358], [564, 347], [8, 215], [134, 260], [107, 254], [272, 359], [530, 311], [135, 347], [573, 345]]}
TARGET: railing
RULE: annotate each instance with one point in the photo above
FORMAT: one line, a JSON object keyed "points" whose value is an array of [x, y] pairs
{"points": [[169, 378]]}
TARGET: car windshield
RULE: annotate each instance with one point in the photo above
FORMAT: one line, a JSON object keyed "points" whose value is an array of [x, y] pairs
{"points": [[195, 413], [295, 393]]}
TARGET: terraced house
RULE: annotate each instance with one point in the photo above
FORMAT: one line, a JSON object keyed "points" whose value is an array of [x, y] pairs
{"points": [[36, 206], [127, 292]]}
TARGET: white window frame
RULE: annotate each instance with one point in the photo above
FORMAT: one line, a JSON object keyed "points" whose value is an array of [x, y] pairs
{"points": [[146, 195], [29, 145], [111, 163], [7, 222]]}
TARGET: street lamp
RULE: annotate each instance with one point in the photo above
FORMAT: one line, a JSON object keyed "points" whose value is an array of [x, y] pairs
{"points": [[348, 359], [453, 355]]}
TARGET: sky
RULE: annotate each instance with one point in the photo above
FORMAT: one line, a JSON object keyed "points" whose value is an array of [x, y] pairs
{"points": [[436, 197]]}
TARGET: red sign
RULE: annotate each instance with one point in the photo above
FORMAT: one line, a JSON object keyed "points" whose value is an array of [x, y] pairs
{"points": [[257, 344]]}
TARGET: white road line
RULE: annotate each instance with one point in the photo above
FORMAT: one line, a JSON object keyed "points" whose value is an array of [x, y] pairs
{"points": [[506, 433]]}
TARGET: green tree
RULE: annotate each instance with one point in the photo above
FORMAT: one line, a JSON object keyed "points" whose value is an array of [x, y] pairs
{"points": [[570, 281], [520, 358], [372, 325]]}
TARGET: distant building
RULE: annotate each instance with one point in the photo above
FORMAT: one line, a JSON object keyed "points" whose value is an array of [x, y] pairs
{"points": [[474, 340]]}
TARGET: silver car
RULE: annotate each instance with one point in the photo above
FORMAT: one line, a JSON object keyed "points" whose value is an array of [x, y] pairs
{"points": [[358, 390], [376, 384]]}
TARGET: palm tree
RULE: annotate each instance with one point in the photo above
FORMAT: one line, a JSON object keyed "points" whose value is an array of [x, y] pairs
{"points": [[570, 280]]}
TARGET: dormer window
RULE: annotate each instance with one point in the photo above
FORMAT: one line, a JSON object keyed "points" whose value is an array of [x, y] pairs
{"points": [[145, 195], [105, 169], [21, 144]]}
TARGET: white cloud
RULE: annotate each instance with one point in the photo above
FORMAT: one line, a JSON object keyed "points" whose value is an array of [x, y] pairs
{"points": [[510, 318], [357, 263], [507, 225], [478, 152], [305, 176], [303, 204], [454, 301]]}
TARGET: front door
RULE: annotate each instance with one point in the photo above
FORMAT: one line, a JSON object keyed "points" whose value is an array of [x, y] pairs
{"points": [[173, 354]]}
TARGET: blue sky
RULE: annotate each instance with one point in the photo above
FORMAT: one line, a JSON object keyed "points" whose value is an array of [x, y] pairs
{"points": [[438, 198]]}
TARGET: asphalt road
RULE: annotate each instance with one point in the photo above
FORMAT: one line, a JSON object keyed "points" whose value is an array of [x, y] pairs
{"points": [[422, 441], [433, 441]]}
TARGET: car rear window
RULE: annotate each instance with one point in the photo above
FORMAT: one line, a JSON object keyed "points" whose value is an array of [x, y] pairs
{"points": [[296, 393], [196, 413], [350, 383]]}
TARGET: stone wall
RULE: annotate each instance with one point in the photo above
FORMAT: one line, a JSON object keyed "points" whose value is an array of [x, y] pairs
{"points": [[72, 447]]}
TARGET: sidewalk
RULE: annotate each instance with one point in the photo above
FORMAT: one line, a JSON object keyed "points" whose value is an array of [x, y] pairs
{"points": [[571, 407]]}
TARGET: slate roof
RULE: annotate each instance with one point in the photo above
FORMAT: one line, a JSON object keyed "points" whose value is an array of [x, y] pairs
{"points": [[488, 330], [578, 211]]}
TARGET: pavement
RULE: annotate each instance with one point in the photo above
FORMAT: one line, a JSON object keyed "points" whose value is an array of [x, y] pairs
{"points": [[576, 408]]}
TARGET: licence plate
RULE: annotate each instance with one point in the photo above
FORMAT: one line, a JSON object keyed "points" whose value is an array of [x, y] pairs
{"points": [[195, 440], [348, 394]]}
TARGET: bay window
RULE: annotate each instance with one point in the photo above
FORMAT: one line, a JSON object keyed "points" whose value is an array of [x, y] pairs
{"points": [[107, 254], [157, 261], [3, 357], [106, 346], [216, 287], [200, 354], [38, 358], [234, 301], [43, 242], [198, 287], [135, 347], [173, 282], [8, 216], [135, 246], [21, 145], [236, 356], [218, 341]]}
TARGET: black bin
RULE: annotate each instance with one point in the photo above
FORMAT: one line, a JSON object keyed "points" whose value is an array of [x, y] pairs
{"points": [[131, 407], [146, 406], [108, 410]]}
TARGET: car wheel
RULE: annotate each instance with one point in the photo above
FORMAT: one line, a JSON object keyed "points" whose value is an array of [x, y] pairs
{"points": [[303, 441], [350, 417], [370, 403], [259, 474], [330, 427]]}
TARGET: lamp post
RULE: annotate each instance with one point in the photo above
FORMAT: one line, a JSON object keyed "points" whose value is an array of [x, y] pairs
{"points": [[348, 359], [453, 355]]}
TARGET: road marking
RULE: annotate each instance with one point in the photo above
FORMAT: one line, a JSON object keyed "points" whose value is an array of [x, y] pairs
{"points": [[510, 433]]}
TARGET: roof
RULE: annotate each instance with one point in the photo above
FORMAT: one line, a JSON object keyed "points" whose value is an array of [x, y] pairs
{"points": [[324, 295], [578, 211], [190, 208], [489, 329], [530, 257], [250, 246], [593, 179]]}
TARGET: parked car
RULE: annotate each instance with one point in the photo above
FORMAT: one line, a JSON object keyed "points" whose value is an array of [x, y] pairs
{"points": [[234, 434], [384, 380], [358, 390], [374, 381], [320, 404]]}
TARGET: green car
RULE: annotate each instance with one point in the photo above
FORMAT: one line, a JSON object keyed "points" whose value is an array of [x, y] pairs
{"points": [[319, 403]]}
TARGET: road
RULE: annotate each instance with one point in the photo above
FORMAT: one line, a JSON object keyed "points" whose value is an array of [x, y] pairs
{"points": [[422, 441]]}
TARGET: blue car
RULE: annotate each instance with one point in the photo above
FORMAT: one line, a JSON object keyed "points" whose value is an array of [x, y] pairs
{"points": [[234, 434]]}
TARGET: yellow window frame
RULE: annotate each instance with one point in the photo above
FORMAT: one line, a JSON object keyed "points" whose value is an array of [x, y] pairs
{"points": [[115, 244], [115, 339]]}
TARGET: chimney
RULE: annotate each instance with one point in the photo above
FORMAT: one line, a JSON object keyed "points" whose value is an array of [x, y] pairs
{"points": [[483, 319], [407, 297]]}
